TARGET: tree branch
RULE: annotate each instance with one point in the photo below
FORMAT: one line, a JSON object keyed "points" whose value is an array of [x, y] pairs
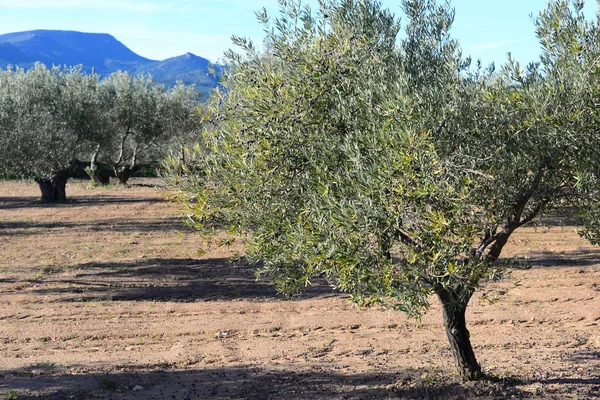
{"points": [[488, 239], [534, 213], [122, 152], [514, 219], [404, 238], [134, 157], [527, 195]]}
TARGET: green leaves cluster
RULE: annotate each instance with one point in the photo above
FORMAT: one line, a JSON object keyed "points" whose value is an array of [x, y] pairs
{"points": [[145, 120], [393, 167], [50, 117], [46, 116]]}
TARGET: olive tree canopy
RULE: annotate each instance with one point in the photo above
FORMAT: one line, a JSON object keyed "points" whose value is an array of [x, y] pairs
{"points": [[389, 166], [144, 118], [47, 117]]}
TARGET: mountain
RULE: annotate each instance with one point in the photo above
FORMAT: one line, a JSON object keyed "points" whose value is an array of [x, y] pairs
{"points": [[98, 50], [188, 68], [102, 52]]}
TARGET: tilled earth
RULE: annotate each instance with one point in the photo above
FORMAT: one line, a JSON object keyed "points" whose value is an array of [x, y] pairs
{"points": [[108, 297]]}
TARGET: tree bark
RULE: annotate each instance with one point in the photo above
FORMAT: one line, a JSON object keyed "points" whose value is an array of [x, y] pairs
{"points": [[454, 306], [123, 173], [54, 189], [47, 189], [97, 176], [182, 160]]}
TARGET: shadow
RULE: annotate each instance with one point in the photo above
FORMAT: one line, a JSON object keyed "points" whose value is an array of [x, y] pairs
{"points": [[147, 185], [570, 381], [585, 356], [30, 228], [101, 199], [575, 258], [8, 203], [249, 382], [182, 280]]}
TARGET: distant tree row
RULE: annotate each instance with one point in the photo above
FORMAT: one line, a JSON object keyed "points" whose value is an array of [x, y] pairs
{"points": [[50, 118]]}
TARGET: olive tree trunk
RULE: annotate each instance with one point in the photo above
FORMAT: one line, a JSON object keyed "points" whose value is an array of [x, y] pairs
{"points": [[98, 177], [454, 306], [123, 173], [54, 190]]}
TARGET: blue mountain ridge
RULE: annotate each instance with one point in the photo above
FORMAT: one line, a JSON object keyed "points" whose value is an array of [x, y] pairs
{"points": [[104, 53]]}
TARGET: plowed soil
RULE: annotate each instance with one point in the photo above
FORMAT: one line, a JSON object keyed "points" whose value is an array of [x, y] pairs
{"points": [[107, 297]]}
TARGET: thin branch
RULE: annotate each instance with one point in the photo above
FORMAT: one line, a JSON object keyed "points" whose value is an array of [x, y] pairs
{"points": [[150, 144], [122, 152], [472, 171], [514, 220], [439, 129], [404, 238], [487, 240], [527, 195], [77, 141], [533, 213]]}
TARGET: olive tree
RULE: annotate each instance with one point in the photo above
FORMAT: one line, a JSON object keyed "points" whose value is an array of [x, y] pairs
{"points": [[183, 115], [143, 116], [525, 137], [391, 167], [48, 116]]}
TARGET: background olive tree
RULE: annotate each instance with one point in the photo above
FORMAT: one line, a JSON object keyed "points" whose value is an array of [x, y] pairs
{"points": [[145, 121], [47, 118], [50, 119], [184, 115]]}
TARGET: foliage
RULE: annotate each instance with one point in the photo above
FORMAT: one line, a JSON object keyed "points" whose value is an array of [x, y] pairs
{"points": [[324, 153], [144, 117], [51, 118], [12, 395], [47, 117], [397, 171]]}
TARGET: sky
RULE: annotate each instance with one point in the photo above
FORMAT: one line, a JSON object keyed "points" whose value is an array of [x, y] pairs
{"points": [[159, 29]]}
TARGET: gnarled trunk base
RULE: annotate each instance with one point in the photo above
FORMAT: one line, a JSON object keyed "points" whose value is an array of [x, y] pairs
{"points": [[123, 173], [99, 177], [54, 190], [454, 306]]}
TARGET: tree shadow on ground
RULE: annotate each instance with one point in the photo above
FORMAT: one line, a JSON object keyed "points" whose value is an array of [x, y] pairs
{"points": [[98, 199], [161, 279], [30, 228], [574, 258], [585, 356], [247, 382], [14, 202]]}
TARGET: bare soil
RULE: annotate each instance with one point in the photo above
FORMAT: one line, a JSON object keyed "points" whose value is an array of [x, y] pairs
{"points": [[107, 297]]}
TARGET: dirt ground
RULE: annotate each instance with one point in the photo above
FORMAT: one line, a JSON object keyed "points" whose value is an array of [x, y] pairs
{"points": [[107, 297]]}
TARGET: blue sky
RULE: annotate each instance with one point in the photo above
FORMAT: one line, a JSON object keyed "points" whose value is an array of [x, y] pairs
{"points": [[158, 29]]}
